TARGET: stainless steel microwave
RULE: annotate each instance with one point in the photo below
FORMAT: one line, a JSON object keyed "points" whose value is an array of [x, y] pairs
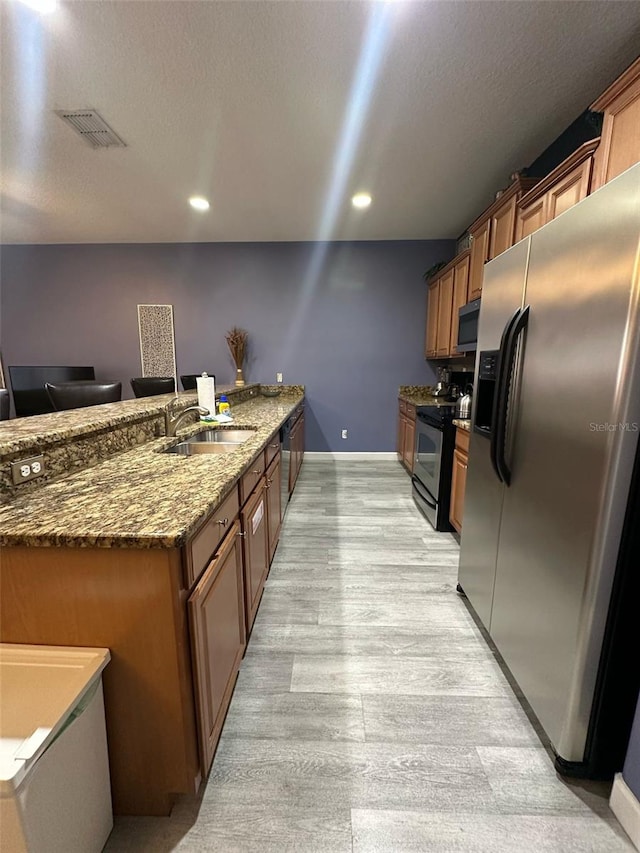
{"points": [[468, 315]]}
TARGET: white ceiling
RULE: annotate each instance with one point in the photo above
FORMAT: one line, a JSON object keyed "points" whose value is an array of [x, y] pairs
{"points": [[279, 111]]}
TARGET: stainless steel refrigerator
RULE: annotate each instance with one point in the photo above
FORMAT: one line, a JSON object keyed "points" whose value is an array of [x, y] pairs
{"points": [[549, 550]]}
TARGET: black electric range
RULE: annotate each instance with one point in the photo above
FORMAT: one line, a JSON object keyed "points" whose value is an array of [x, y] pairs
{"points": [[433, 462]]}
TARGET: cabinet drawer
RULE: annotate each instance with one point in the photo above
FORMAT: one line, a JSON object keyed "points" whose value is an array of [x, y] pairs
{"points": [[251, 478], [462, 440], [199, 550], [272, 449], [402, 406]]}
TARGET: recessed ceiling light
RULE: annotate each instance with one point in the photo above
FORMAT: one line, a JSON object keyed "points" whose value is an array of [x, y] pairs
{"points": [[44, 7], [197, 202], [361, 200]]}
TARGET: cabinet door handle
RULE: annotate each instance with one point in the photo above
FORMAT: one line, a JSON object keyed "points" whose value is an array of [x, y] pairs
{"points": [[257, 472], [242, 534], [275, 446], [223, 521]]}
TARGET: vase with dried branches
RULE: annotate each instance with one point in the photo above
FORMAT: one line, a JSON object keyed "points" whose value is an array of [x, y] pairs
{"points": [[237, 343]]}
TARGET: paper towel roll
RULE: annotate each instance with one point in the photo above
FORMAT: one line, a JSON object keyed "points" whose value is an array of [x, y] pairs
{"points": [[207, 393]]}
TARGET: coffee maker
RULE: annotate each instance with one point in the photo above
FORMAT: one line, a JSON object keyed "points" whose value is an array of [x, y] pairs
{"points": [[444, 380]]}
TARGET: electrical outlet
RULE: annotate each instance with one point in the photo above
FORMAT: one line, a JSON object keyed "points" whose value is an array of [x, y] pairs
{"points": [[27, 469], [278, 377], [344, 433]]}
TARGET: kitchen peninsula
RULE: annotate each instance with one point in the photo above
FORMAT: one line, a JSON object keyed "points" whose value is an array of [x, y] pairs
{"points": [[161, 558]]}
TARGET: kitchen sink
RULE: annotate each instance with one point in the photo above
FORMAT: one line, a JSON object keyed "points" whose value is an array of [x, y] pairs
{"points": [[212, 441], [226, 436]]}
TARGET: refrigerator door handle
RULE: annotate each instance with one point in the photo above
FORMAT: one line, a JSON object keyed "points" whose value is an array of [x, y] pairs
{"points": [[417, 485], [497, 400], [506, 376]]}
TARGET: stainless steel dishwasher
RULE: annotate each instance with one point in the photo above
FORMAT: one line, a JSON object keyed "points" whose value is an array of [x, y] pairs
{"points": [[285, 444]]}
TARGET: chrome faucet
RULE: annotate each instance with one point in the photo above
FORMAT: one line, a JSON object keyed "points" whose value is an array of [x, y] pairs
{"points": [[172, 422]]}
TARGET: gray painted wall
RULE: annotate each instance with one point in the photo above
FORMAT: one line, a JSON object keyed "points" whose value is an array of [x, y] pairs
{"points": [[631, 772], [345, 319]]}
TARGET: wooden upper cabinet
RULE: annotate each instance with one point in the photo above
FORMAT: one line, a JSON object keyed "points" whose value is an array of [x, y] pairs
{"points": [[569, 191], [563, 187], [479, 256], [460, 294], [531, 218], [620, 146], [447, 293], [431, 345], [495, 231], [445, 307], [503, 226]]}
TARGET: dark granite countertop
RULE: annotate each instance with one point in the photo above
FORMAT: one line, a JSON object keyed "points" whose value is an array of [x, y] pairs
{"points": [[420, 395], [141, 498]]}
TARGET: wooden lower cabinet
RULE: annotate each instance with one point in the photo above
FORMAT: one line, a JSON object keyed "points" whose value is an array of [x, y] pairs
{"points": [[131, 601], [203, 544], [218, 640], [409, 442], [406, 434], [253, 519], [175, 621], [459, 478], [402, 420], [274, 507]]}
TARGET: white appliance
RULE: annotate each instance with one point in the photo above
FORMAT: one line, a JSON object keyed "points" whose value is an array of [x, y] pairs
{"points": [[55, 794]]}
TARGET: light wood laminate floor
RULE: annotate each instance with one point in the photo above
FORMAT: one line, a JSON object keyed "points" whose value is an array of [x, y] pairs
{"points": [[370, 716]]}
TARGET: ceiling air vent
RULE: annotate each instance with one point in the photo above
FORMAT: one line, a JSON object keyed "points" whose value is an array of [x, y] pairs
{"points": [[92, 128]]}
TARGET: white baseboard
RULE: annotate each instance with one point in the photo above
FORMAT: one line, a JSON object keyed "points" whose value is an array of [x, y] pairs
{"points": [[626, 808], [331, 456]]}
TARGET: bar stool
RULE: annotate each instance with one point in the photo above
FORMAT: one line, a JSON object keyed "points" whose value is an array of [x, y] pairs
{"points": [[189, 380], [77, 395], [149, 386]]}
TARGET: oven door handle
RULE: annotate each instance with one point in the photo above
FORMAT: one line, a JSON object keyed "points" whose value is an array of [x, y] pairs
{"points": [[417, 485]]}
